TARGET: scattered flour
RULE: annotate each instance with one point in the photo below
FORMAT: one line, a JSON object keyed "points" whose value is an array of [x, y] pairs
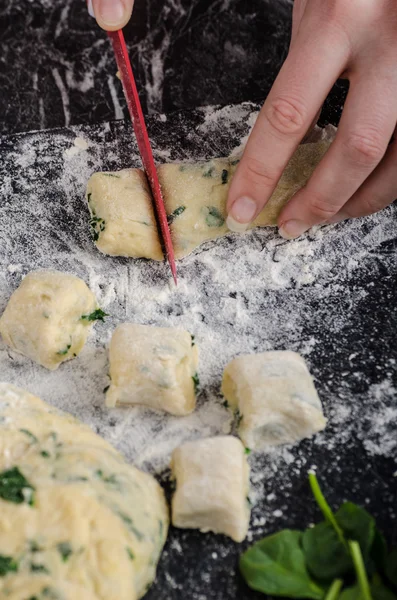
{"points": [[241, 294]]}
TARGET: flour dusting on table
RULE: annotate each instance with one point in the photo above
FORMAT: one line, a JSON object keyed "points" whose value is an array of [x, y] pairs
{"points": [[241, 294]]}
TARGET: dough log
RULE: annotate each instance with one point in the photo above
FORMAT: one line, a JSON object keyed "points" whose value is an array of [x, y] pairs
{"points": [[48, 318], [275, 397], [76, 521], [212, 487], [195, 197], [153, 366]]}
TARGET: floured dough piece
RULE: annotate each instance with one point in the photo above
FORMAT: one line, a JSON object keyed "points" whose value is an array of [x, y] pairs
{"points": [[76, 521], [212, 487], [275, 397], [153, 366], [122, 219], [195, 197], [49, 316]]}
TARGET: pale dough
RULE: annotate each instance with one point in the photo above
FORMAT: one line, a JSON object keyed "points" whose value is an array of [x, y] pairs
{"points": [[195, 198], [122, 219], [153, 366], [212, 487], [275, 397], [48, 318], [75, 518]]}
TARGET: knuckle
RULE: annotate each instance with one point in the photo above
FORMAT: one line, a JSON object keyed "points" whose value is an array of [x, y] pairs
{"points": [[373, 203], [287, 116], [365, 148], [321, 207], [257, 173]]}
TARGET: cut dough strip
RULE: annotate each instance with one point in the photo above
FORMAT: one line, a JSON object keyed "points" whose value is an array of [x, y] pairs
{"points": [[122, 218]]}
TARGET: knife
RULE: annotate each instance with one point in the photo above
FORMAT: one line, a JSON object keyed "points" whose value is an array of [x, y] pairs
{"points": [[138, 123], [142, 138]]}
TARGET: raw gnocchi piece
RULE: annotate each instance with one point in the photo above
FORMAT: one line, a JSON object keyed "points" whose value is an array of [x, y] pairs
{"points": [[49, 316], [212, 487], [75, 518], [275, 397], [122, 219], [153, 366]]}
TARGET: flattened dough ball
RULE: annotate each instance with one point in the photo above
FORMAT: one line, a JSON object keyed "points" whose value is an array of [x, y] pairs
{"points": [[153, 366], [212, 487], [75, 518], [48, 317], [122, 219], [275, 396]]}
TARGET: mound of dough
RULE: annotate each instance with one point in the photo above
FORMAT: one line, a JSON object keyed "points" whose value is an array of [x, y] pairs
{"points": [[48, 318], [76, 521], [212, 486], [275, 396], [195, 198], [153, 366]]}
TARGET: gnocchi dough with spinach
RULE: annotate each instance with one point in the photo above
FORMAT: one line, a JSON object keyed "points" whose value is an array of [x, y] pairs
{"points": [[76, 521], [122, 220], [195, 198], [275, 398], [48, 318], [212, 486], [153, 366]]}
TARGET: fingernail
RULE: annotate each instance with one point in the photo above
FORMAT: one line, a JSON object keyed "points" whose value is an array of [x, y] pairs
{"points": [[90, 9], [111, 12], [241, 214], [292, 229]]}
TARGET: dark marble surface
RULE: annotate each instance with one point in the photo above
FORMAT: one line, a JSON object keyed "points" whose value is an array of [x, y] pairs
{"points": [[57, 68]]}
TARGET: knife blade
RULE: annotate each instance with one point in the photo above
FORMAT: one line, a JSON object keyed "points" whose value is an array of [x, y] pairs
{"points": [[145, 150]]}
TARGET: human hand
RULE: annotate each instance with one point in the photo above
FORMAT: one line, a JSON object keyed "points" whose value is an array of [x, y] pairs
{"points": [[356, 40], [111, 14]]}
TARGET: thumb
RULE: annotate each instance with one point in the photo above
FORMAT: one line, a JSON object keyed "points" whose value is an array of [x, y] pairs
{"points": [[111, 14]]}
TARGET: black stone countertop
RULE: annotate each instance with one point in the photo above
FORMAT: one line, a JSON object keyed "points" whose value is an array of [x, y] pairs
{"points": [[57, 68]]}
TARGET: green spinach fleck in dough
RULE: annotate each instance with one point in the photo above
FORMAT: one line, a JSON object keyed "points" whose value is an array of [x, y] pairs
{"points": [[97, 315], [196, 383], [225, 176], [14, 487], [7, 565], [128, 521], [30, 435], [193, 338], [130, 553], [38, 568], [178, 211], [111, 175], [209, 172], [45, 454], [65, 350], [214, 218], [97, 226], [65, 550]]}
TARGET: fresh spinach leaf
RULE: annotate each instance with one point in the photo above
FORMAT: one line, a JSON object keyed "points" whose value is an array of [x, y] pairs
{"points": [[391, 567], [378, 553], [379, 591], [97, 315], [276, 566], [7, 565], [351, 593], [357, 524], [14, 487], [326, 557]]}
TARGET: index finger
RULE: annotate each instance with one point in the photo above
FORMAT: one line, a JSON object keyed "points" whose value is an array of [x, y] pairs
{"points": [[308, 74]]}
